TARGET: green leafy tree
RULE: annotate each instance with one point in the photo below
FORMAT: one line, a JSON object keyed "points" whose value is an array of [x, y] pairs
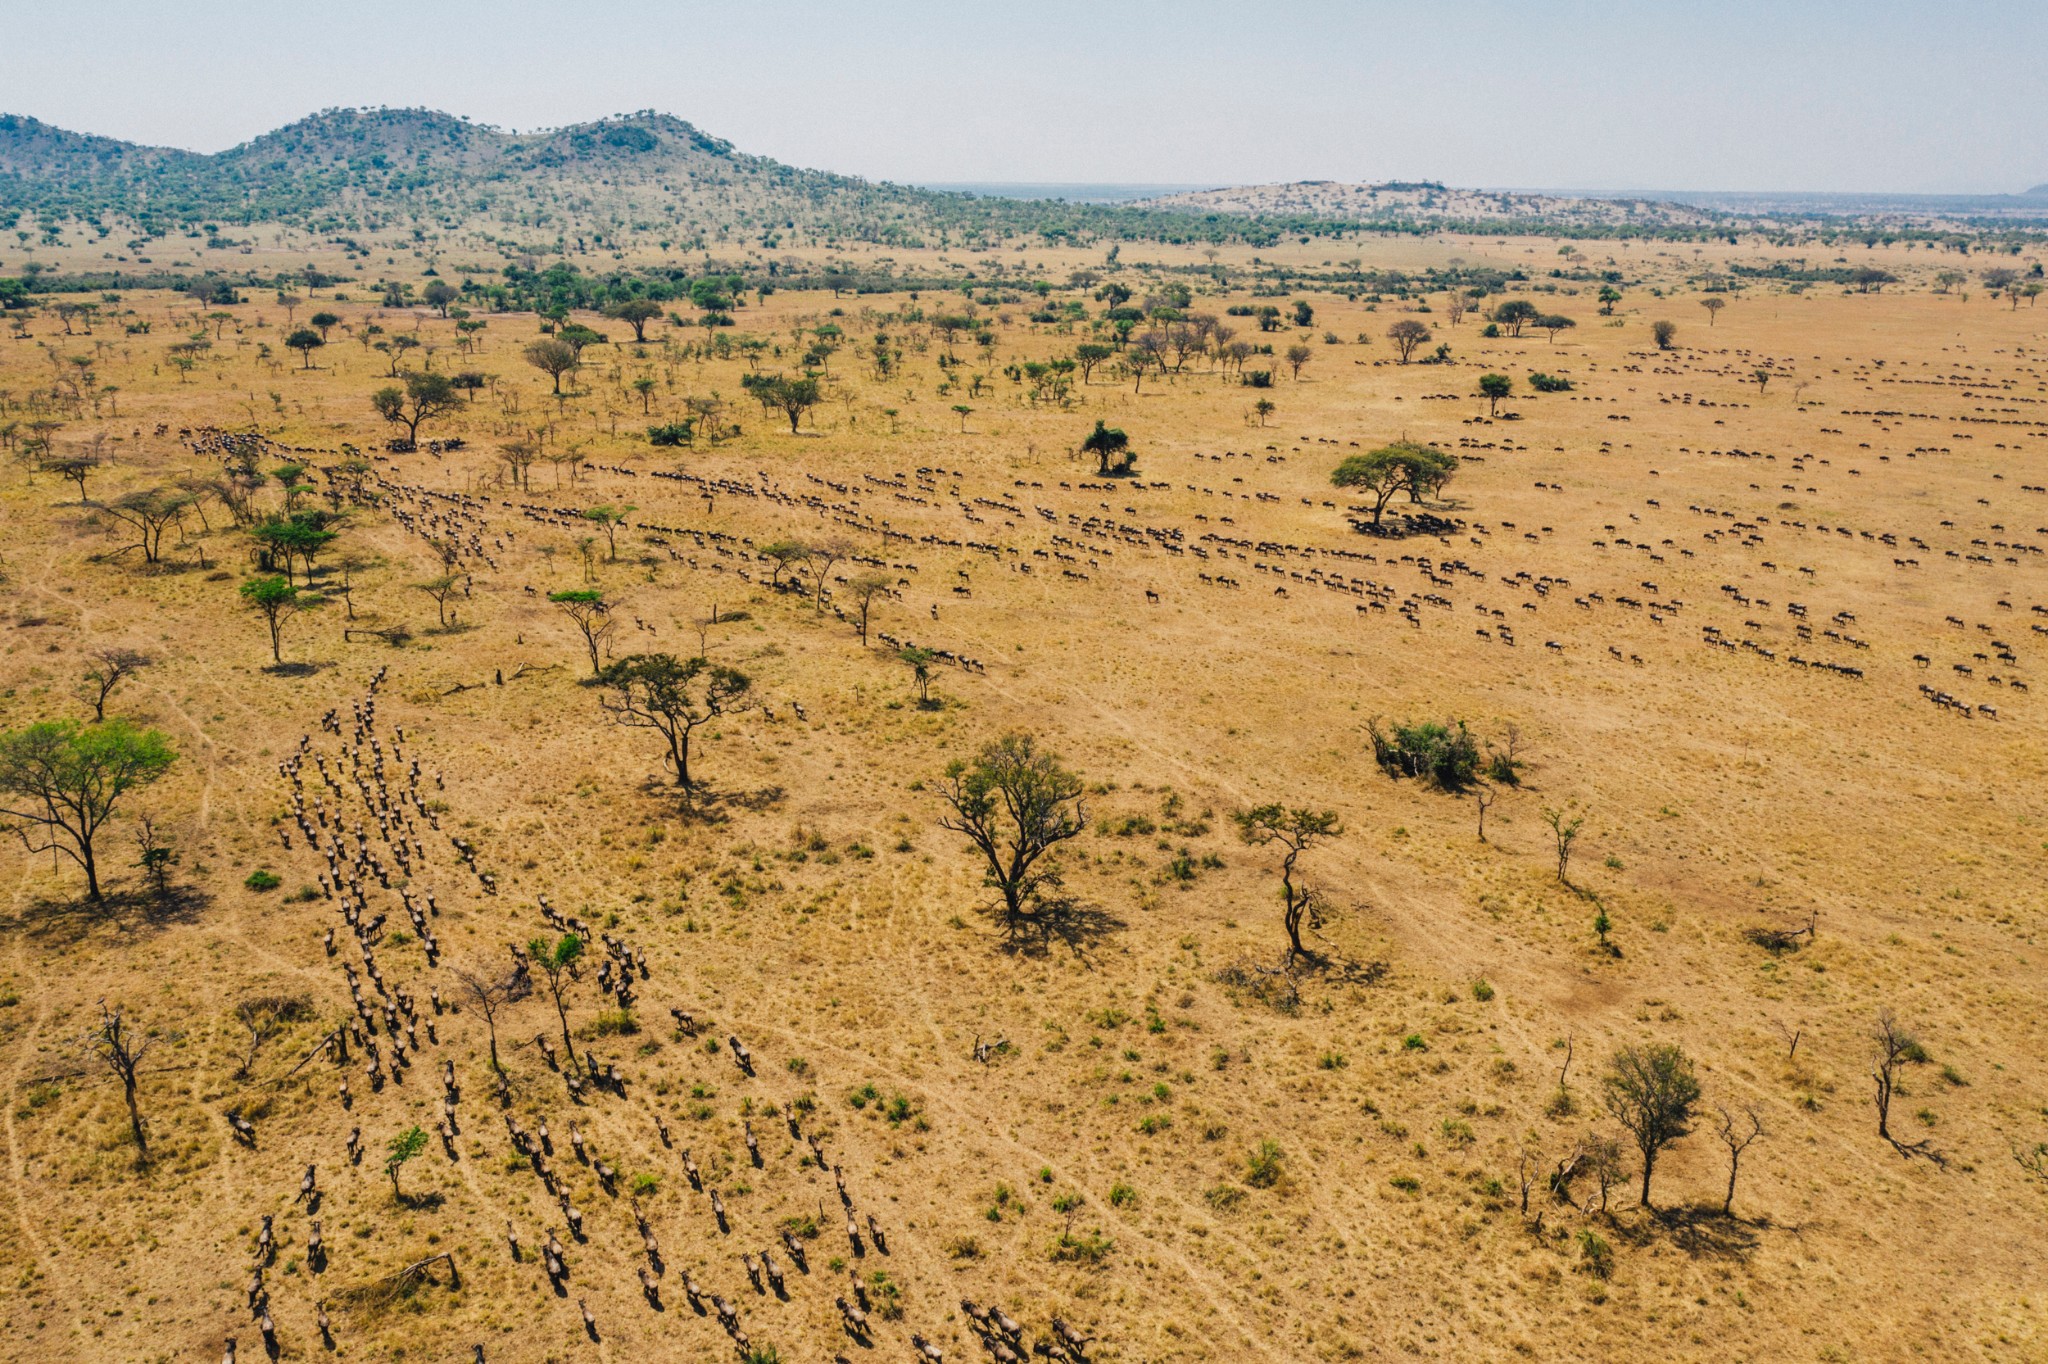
{"points": [[1296, 830], [608, 519], [277, 601], [403, 1148], [674, 697], [1015, 803], [424, 396], [1552, 324], [557, 963], [1515, 314], [323, 322], [1652, 1093], [1495, 388], [635, 313], [1402, 466], [62, 781], [305, 341], [1108, 443], [1609, 296], [920, 663], [792, 397], [438, 294], [1089, 354]]}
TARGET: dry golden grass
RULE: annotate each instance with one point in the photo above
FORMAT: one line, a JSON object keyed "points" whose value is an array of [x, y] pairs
{"points": [[820, 915]]}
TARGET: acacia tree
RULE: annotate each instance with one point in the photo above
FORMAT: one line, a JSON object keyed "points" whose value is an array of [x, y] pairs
{"points": [[106, 668], [1107, 443], [675, 697], [920, 662], [148, 512], [825, 554], [862, 591], [78, 468], [1406, 335], [305, 341], [554, 358], [441, 589], [1402, 466], [609, 519], [1651, 1091], [556, 961], [635, 313], [426, 395], [587, 609], [1295, 830], [64, 780], [277, 601], [1514, 314], [114, 1044], [1713, 303], [1297, 358], [786, 555], [776, 392], [1494, 388], [1015, 803]]}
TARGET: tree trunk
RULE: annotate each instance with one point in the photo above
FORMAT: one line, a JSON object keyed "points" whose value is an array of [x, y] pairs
{"points": [[1649, 1163], [563, 1015], [134, 1114], [92, 892]]}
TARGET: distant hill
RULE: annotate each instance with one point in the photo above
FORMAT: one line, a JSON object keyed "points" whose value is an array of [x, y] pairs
{"points": [[404, 176], [1427, 201], [364, 170]]}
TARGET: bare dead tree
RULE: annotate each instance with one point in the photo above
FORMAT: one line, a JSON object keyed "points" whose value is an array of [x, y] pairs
{"points": [[1483, 796], [1791, 1036], [264, 1018], [114, 1043], [491, 993], [1737, 1141]]}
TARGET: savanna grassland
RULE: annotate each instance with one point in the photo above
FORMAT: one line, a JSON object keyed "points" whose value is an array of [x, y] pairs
{"points": [[1147, 1122]]}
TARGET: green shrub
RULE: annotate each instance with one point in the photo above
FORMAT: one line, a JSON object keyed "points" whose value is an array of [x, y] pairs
{"points": [[616, 1023], [1596, 1254], [1262, 1167], [262, 880], [1482, 991], [1122, 1195], [1549, 383], [1406, 1183], [1091, 1249], [1444, 754]]}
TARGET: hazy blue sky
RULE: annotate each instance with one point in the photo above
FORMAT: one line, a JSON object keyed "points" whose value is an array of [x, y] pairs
{"points": [[1745, 94]]}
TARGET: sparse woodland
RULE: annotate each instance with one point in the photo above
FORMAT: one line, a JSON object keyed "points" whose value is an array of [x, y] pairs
{"points": [[609, 780]]}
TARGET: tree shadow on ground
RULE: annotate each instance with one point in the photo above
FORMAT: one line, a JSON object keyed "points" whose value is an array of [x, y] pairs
{"points": [[295, 669], [1704, 1233], [711, 804], [1062, 921], [67, 921]]}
